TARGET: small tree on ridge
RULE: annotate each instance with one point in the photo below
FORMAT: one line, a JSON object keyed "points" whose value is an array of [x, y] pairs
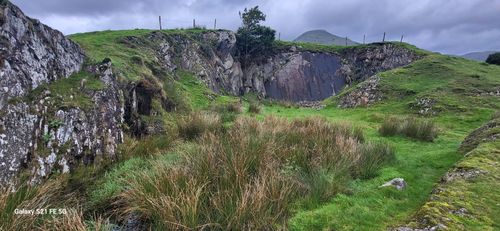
{"points": [[253, 39]]}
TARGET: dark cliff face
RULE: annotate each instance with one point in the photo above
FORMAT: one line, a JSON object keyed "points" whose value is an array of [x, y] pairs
{"points": [[306, 77], [289, 75], [309, 76]]}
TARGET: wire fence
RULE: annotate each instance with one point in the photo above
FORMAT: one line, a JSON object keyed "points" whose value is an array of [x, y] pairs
{"points": [[167, 23]]}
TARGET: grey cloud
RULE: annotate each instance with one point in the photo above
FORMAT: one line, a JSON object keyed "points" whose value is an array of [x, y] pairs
{"points": [[448, 26]]}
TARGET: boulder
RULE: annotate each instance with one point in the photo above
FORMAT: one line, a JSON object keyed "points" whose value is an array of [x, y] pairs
{"points": [[398, 183]]}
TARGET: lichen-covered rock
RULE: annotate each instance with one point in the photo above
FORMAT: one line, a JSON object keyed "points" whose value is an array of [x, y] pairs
{"points": [[32, 54], [462, 173], [489, 132], [210, 57], [42, 139], [366, 93]]}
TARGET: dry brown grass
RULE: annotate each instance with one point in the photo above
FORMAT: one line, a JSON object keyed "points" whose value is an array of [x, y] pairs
{"points": [[74, 220], [254, 108], [249, 177], [48, 195], [195, 124], [25, 197]]}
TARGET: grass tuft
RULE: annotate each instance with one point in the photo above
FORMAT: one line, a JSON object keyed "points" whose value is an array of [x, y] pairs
{"points": [[254, 108], [195, 124], [420, 129]]}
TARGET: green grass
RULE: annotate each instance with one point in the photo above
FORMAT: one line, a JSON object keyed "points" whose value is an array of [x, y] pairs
{"points": [[341, 49], [476, 197], [67, 92], [198, 94], [422, 164]]}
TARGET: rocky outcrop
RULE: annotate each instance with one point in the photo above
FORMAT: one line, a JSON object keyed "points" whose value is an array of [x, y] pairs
{"points": [[209, 56], [290, 74], [42, 138], [366, 93], [38, 133], [490, 132], [361, 63], [32, 54], [296, 76]]}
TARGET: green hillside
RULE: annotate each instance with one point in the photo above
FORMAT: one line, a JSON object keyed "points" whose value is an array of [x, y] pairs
{"points": [[459, 88], [185, 180]]}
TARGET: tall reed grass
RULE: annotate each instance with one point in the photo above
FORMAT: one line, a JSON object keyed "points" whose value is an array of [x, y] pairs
{"points": [[421, 129], [251, 176]]}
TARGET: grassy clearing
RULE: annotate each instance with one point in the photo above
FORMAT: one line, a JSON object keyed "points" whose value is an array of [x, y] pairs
{"points": [[412, 127], [252, 176]]}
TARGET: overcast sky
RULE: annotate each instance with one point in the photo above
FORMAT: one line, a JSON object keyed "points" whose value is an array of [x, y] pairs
{"points": [[447, 26]]}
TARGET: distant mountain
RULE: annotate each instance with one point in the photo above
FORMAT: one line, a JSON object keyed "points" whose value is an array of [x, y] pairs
{"points": [[324, 37], [478, 56]]}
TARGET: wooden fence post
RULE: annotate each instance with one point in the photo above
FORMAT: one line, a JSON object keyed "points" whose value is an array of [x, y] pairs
{"points": [[159, 20], [383, 40], [364, 38], [402, 36]]}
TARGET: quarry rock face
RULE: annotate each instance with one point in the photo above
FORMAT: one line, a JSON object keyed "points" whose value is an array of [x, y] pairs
{"points": [[32, 54], [288, 75], [36, 135], [211, 59], [296, 76]]}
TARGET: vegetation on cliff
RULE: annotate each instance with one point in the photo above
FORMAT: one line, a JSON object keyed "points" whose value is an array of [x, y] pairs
{"points": [[215, 167]]}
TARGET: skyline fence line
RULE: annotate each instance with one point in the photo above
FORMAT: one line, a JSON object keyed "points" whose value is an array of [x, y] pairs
{"points": [[163, 24]]}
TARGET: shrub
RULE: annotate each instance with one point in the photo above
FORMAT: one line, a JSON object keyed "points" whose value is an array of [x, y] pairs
{"points": [[425, 130], [494, 58], [195, 124], [254, 108], [250, 176]]}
